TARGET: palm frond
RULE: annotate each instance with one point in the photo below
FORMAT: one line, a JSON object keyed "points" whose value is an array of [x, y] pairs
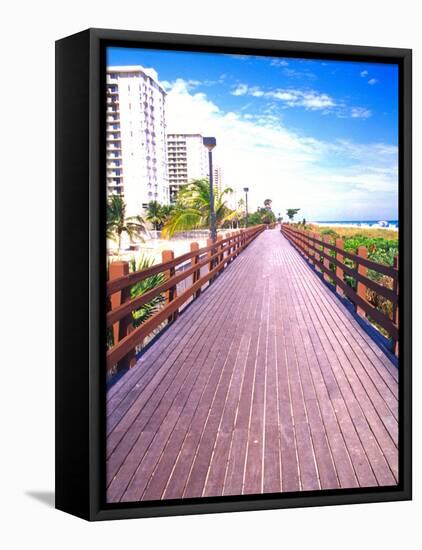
{"points": [[182, 220], [150, 308]]}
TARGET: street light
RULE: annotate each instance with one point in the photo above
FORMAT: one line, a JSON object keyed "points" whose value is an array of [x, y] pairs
{"points": [[210, 143], [246, 189]]}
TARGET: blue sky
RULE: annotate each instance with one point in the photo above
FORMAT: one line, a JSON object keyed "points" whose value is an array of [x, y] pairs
{"points": [[320, 134]]}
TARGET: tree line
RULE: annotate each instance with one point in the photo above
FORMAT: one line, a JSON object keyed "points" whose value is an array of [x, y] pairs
{"points": [[191, 211]]}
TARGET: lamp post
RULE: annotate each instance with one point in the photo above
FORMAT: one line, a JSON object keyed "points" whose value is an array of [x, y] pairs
{"points": [[246, 189], [210, 143]]}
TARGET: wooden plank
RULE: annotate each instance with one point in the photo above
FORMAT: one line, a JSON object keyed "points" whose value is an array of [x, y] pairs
{"points": [[144, 411], [371, 377], [200, 466], [190, 447], [364, 341], [214, 483], [132, 472], [266, 383], [306, 356], [353, 390], [272, 456], [210, 365], [158, 358], [253, 476], [344, 417], [155, 356], [237, 458]]}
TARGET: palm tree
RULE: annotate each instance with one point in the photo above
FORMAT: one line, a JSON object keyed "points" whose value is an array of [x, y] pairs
{"points": [[166, 211], [267, 203], [118, 223], [154, 214], [291, 212], [192, 210]]}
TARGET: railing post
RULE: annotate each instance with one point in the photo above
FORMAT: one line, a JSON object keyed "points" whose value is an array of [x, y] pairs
{"points": [[326, 261], [396, 309], [220, 257], [123, 327], [317, 254], [339, 271], [210, 242], [171, 293], [306, 242], [361, 288], [230, 243], [236, 243], [301, 244], [311, 251], [194, 261]]}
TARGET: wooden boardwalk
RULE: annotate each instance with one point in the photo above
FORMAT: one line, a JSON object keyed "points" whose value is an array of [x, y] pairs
{"points": [[266, 383]]}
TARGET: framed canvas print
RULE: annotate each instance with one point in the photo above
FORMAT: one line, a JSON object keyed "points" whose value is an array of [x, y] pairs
{"points": [[233, 274]]}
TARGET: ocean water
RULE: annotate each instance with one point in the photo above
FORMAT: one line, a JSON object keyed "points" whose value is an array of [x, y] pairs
{"points": [[376, 224]]}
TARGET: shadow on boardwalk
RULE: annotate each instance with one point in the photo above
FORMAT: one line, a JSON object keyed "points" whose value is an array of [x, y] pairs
{"points": [[266, 383]]}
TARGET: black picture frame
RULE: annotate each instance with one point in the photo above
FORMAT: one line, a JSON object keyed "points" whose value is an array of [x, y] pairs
{"points": [[80, 279]]}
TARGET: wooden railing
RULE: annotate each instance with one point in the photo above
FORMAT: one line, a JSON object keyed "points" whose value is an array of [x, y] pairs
{"points": [[214, 257], [329, 259]]}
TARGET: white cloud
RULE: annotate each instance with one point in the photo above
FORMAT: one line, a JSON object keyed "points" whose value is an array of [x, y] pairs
{"points": [[360, 112], [279, 62], [256, 92], [241, 89], [313, 100], [364, 73], [293, 73], [190, 84], [327, 180], [238, 56], [290, 97], [284, 95], [372, 81]]}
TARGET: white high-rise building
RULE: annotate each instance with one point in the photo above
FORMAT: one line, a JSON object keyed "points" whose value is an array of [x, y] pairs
{"points": [[136, 137], [187, 160]]}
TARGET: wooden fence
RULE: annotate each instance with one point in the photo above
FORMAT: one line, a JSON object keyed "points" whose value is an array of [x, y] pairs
{"points": [[330, 258], [215, 257]]}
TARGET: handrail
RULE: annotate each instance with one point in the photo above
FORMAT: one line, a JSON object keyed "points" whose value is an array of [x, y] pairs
{"points": [[135, 303], [307, 244], [218, 255], [370, 264], [379, 289], [122, 282]]}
